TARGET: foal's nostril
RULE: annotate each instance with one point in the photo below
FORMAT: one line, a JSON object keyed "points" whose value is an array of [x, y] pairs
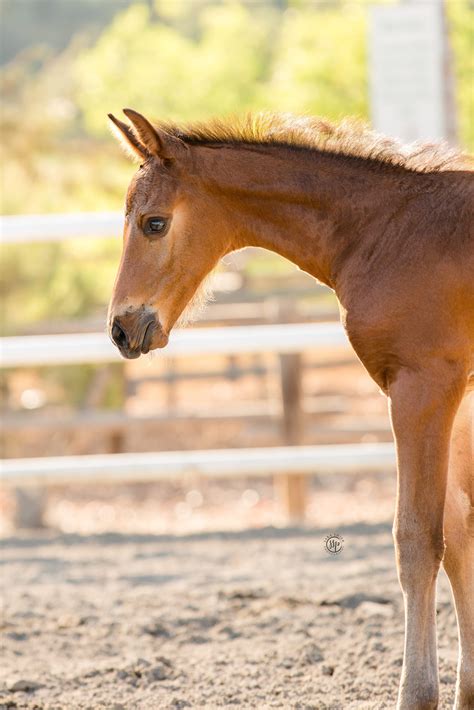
{"points": [[118, 334], [148, 336]]}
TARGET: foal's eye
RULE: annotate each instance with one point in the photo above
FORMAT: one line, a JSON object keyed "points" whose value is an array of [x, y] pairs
{"points": [[156, 226]]}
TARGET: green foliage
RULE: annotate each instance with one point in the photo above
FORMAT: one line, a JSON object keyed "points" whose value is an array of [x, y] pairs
{"points": [[54, 281], [223, 58], [48, 164], [239, 58], [461, 21], [168, 74], [320, 62]]}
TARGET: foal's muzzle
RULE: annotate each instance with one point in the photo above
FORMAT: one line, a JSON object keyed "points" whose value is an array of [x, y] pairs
{"points": [[133, 333]]}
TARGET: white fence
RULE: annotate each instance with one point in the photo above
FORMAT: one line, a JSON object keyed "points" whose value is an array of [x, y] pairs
{"points": [[59, 227], [220, 463], [95, 347]]}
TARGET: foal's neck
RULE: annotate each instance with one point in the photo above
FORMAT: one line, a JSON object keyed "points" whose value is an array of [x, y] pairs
{"points": [[313, 208]]}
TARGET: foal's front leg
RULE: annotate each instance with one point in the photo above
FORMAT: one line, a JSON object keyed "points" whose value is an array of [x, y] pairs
{"points": [[459, 535], [423, 405]]}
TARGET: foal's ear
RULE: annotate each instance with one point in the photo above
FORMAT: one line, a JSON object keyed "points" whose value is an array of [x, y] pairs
{"points": [[127, 138], [156, 141]]}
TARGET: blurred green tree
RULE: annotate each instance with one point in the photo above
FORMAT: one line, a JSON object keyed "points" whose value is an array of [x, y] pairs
{"points": [[155, 67], [320, 61], [180, 61], [461, 24]]}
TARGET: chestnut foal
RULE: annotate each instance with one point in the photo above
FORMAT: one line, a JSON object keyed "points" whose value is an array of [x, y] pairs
{"points": [[391, 232]]}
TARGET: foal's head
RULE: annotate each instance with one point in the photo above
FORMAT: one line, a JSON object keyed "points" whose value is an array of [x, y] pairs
{"points": [[172, 239]]}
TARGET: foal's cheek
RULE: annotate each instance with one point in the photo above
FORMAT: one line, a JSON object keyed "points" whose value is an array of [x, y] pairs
{"points": [[152, 261]]}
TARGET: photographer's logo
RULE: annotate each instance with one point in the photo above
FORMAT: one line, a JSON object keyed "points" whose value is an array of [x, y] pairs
{"points": [[333, 543]]}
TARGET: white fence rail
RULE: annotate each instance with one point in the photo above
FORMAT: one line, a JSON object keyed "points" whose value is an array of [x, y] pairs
{"points": [[95, 347], [346, 458], [59, 227], [291, 461]]}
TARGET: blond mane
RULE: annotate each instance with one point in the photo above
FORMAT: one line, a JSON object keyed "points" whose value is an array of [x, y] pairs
{"points": [[349, 138]]}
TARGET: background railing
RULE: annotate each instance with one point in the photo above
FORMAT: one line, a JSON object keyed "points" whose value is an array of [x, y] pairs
{"points": [[290, 465], [58, 227]]}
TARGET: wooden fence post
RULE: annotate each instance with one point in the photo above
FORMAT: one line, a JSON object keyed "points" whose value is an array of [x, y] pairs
{"points": [[29, 507], [117, 436], [171, 391], [291, 488]]}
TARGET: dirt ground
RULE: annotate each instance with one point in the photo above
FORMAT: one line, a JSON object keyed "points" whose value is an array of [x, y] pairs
{"points": [[262, 618], [135, 599]]}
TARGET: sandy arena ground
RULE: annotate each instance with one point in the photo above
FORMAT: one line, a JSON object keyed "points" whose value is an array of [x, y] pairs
{"points": [[255, 619]]}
